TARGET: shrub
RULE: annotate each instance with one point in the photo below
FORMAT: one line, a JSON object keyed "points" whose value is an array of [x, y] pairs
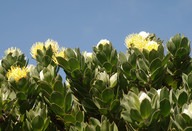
{"points": [[142, 89]]}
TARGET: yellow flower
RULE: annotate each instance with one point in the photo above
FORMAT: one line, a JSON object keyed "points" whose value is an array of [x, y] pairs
{"points": [[59, 54], [151, 45], [17, 73], [12, 50], [136, 40], [54, 45], [35, 47], [103, 42]]}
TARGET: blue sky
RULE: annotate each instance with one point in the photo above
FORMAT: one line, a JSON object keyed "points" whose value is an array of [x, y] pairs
{"points": [[82, 23]]}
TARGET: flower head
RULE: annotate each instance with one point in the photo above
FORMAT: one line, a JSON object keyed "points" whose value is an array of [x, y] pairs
{"points": [[35, 47], [54, 45], [12, 50], [136, 40], [17, 73], [103, 42], [61, 53], [151, 45], [144, 34]]}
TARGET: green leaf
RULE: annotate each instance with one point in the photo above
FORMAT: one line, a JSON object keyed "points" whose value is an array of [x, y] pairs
{"points": [[5, 64], [70, 53], [74, 64], [155, 116], [105, 126], [68, 99], [37, 123], [176, 40], [115, 105], [46, 61], [46, 124], [108, 67], [142, 65], [57, 98], [126, 116], [76, 74], [107, 95], [94, 121], [101, 57], [46, 87], [122, 57], [2, 78], [62, 62], [133, 98], [182, 99], [171, 47], [190, 80], [166, 59], [21, 96], [103, 111], [58, 86], [145, 108], [184, 42], [165, 107], [164, 93], [180, 121], [189, 128], [80, 116], [22, 84], [135, 115], [141, 75], [114, 59], [181, 52], [153, 54], [57, 109], [69, 119], [155, 64], [132, 59], [114, 127], [126, 67], [113, 80]]}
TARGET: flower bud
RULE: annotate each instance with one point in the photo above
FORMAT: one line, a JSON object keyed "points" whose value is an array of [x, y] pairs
{"points": [[103, 42]]}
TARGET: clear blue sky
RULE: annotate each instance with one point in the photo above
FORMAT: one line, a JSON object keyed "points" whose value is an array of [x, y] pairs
{"points": [[82, 23]]}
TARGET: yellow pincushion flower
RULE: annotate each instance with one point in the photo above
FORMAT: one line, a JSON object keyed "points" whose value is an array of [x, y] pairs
{"points": [[136, 40], [59, 54], [17, 73], [35, 47], [12, 50], [151, 45], [54, 45]]}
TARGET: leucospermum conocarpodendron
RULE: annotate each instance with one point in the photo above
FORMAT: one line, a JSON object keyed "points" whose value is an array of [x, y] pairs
{"points": [[17, 73], [35, 47], [54, 45], [60, 53], [12, 50], [140, 41]]}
